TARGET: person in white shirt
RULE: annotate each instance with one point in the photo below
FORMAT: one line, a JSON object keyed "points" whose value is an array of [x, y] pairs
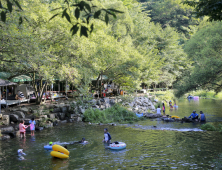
{"points": [[158, 110]]}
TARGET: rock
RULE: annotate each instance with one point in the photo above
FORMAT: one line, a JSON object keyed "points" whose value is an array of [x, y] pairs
{"points": [[107, 105], [102, 107], [70, 120], [48, 125], [39, 128], [64, 121], [0, 116], [5, 137], [14, 118], [61, 116], [81, 110], [20, 114], [112, 101], [7, 129], [79, 119], [51, 116], [73, 116], [6, 119], [56, 110], [64, 109], [44, 116], [24, 109]]}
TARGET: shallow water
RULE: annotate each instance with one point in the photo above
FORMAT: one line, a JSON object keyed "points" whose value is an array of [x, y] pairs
{"points": [[146, 149]]}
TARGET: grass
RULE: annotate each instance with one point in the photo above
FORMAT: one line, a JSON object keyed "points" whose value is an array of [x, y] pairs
{"points": [[115, 113]]}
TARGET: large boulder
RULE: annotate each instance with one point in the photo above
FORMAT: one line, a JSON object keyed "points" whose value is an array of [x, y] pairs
{"points": [[61, 116], [7, 129], [20, 114], [51, 116], [14, 118], [56, 110], [24, 109]]}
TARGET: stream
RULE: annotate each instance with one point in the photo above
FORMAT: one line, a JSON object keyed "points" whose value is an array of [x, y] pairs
{"points": [[171, 145]]}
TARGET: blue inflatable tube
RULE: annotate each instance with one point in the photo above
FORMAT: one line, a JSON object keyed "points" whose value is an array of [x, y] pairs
{"points": [[47, 147], [139, 115], [121, 145]]}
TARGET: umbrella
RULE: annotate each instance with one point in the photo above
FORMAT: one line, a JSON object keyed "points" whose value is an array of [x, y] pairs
{"points": [[21, 78]]}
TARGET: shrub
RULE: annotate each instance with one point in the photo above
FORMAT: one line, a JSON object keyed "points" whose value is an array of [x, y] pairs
{"points": [[116, 113], [208, 127]]}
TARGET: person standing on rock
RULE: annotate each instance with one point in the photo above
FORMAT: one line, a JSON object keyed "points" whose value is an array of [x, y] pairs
{"points": [[158, 110]]}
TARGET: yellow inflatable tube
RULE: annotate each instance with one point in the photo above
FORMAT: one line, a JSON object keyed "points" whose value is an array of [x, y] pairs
{"points": [[176, 117], [59, 152]]}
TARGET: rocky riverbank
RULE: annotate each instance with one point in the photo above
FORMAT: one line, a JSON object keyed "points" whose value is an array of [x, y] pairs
{"points": [[53, 114]]}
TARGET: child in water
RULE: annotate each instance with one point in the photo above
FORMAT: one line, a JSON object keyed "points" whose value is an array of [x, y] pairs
{"points": [[83, 141], [107, 136], [22, 128], [32, 126]]}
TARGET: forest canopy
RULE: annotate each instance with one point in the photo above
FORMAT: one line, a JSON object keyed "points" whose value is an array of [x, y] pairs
{"points": [[150, 43]]}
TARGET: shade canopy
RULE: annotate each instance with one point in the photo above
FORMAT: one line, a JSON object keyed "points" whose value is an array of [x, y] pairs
{"points": [[6, 83], [21, 78]]}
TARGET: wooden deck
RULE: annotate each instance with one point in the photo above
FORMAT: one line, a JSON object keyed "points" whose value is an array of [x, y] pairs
{"points": [[13, 102]]}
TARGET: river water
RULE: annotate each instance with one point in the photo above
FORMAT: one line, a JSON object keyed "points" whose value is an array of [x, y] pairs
{"points": [[184, 146]]}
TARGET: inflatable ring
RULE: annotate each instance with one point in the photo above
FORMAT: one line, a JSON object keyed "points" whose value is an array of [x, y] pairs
{"points": [[121, 145], [47, 147], [59, 152], [176, 117]]}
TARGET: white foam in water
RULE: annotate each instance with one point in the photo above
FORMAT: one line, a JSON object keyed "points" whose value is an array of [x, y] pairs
{"points": [[182, 130]]}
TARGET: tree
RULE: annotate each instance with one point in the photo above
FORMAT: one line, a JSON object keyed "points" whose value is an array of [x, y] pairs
{"points": [[78, 14], [204, 49], [172, 13], [212, 9]]}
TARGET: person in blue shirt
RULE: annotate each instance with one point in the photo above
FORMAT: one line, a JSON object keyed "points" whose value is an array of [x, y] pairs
{"points": [[202, 117], [194, 115]]}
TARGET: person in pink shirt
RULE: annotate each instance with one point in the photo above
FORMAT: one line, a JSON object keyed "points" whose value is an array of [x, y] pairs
{"points": [[22, 128]]}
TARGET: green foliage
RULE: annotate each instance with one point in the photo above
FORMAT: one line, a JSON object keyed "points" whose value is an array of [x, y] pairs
{"points": [[208, 127], [205, 72], [212, 9], [171, 13], [116, 113]]}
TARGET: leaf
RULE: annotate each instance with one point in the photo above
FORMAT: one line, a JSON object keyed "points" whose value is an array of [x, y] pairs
{"points": [[20, 20], [0, 4], [3, 16], [107, 19], [91, 27], [18, 5], [114, 16], [53, 16], [9, 5], [74, 29], [114, 10], [97, 14], [63, 14], [67, 17], [88, 7], [84, 31], [81, 5], [77, 13]]}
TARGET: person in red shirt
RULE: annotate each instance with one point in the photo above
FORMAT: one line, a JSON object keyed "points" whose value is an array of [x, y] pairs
{"points": [[22, 128]]}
